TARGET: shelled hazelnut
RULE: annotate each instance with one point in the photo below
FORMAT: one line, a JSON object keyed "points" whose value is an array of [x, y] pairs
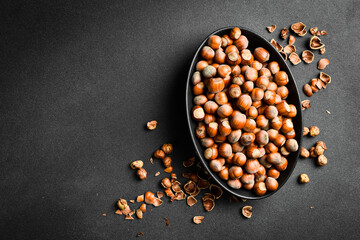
{"points": [[304, 178]]}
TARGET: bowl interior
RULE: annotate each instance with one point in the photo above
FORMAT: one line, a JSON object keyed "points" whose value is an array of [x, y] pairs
{"points": [[254, 41]]}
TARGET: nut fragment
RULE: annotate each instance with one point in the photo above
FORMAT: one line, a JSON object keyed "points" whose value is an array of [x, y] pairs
{"points": [[176, 186], [322, 50], [306, 131], [151, 160], [141, 173], [165, 182], [139, 214], [180, 195], [305, 104], [203, 184], [276, 45], [319, 150], [315, 43], [140, 234], [284, 55], [304, 178], [122, 204], [208, 204], [284, 32], [167, 221], [216, 191], [294, 58], [299, 28], [323, 63], [321, 160], [289, 49], [198, 219], [143, 207], [190, 187], [151, 125], [271, 28], [314, 131], [307, 56], [291, 40], [323, 32], [304, 153], [322, 144], [314, 30], [169, 193], [189, 162], [157, 174], [191, 201], [159, 194], [197, 191], [208, 195], [137, 164], [149, 197], [325, 78], [247, 211], [129, 217], [312, 152], [118, 212], [157, 202]]}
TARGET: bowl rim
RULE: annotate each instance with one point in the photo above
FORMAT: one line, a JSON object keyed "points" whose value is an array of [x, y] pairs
{"points": [[189, 119]]}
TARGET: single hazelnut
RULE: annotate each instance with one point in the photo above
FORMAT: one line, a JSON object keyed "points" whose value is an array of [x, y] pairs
{"points": [[252, 112], [207, 53], [167, 148], [247, 178], [220, 56], [274, 158], [305, 131], [271, 184], [281, 78], [322, 144], [250, 125], [211, 153], [242, 42], [224, 173], [319, 150], [260, 188], [166, 183], [262, 137], [261, 54], [314, 131], [151, 125], [234, 183], [321, 160], [238, 79], [234, 91], [141, 173], [224, 110], [167, 161], [198, 113], [244, 102], [304, 153], [283, 108], [291, 145], [224, 128], [211, 107], [215, 85], [304, 178], [239, 159], [214, 42], [159, 154], [248, 86], [221, 98], [251, 74], [137, 164], [273, 172], [307, 90], [235, 33], [238, 120], [252, 165], [149, 197], [225, 150], [246, 57], [168, 169], [216, 165], [235, 172]]}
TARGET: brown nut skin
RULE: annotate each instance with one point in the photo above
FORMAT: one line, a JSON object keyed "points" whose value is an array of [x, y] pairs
{"points": [[252, 112], [260, 188], [200, 65], [251, 74], [271, 112], [159, 154], [322, 144], [257, 94], [282, 91], [168, 169], [269, 97], [271, 148], [287, 125], [167, 148], [247, 178], [235, 33], [293, 111], [304, 178], [211, 107], [224, 110], [271, 184], [247, 138], [272, 133], [238, 120], [262, 122], [304, 153], [207, 142], [314, 131], [307, 90], [247, 87], [250, 125], [283, 164], [321, 160], [323, 63], [283, 108], [149, 197], [280, 140], [234, 91], [319, 150], [234, 136], [312, 152], [261, 54]]}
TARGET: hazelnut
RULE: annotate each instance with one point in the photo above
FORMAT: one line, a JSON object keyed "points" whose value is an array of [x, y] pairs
{"points": [[307, 56], [239, 159], [198, 113], [167, 148], [214, 42], [224, 128], [196, 77], [274, 67], [224, 173], [321, 160], [262, 137], [314, 131], [244, 102], [235, 33], [168, 169], [294, 58], [269, 97], [281, 78], [271, 184], [149, 197], [251, 74], [248, 86], [224, 110], [274, 158], [257, 65], [284, 32], [271, 28], [234, 91], [219, 56], [225, 150], [252, 112], [247, 211], [280, 140], [207, 142], [151, 125], [307, 90], [260, 188], [199, 100], [304, 153], [250, 125], [252, 165], [261, 54], [238, 79], [322, 144], [283, 108], [211, 153], [235, 172], [273, 133], [207, 53], [273, 172], [271, 112], [284, 151], [209, 71], [291, 145], [141, 173], [159, 154], [293, 111], [242, 42], [287, 125], [247, 178], [238, 120], [246, 57], [143, 207], [234, 183], [215, 85], [216, 165], [262, 82], [323, 63], [210, 107], [304, 178], [234, 136], [221, 98], [137, 164], [283, 164]]}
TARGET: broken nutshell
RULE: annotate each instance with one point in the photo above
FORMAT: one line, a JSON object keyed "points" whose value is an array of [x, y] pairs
{"points": [[284, 32], [315, 43], [325, 78], [247, 211], [271, 28], [216, 191], [190, 187], [284, 55], [322, 50], [289, 49], [305, 131], [191, 201], [291, 40], [299, 28], [305, 104], [141, 173], [151, 125], [198, 219], [294, 58], [208, 204], [189, 162], [323, 63], [307, 56], [276, 45]]}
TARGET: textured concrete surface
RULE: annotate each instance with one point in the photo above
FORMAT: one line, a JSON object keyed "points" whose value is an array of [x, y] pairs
{"points": [[78, 81]]}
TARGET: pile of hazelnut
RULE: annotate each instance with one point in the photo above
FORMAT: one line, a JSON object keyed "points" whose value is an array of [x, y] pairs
{"points": [[245, 123]]}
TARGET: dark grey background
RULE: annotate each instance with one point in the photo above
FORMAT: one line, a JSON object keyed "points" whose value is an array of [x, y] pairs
{"points": [[79, 79]]}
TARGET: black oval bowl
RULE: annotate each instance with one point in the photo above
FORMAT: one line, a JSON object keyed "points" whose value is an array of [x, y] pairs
{"points": [[254, 41]]}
